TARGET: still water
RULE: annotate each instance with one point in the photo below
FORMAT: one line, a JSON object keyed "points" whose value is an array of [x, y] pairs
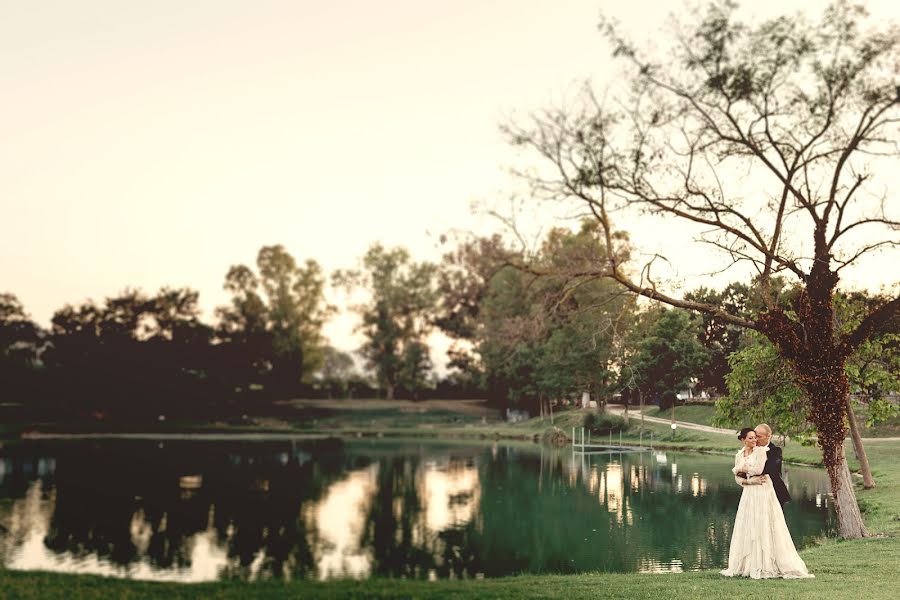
{"points": [[197, 511]]}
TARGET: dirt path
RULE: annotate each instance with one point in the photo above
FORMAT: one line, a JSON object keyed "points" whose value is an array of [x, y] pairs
{"points": [[618, 409]]}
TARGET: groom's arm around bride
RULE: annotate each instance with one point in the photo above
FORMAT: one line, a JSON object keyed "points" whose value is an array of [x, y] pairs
{"points": [[773, 464]]}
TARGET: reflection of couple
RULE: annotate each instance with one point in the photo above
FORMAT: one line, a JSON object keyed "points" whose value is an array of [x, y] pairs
{"points": [[761, 545]]}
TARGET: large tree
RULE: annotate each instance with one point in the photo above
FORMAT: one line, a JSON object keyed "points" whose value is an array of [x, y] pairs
{"points": [[20, 337], [771, 138], [273, 326], [718, 337], [21, 344], [397, 316], [532, 336], [336, 372], [668, 356]]}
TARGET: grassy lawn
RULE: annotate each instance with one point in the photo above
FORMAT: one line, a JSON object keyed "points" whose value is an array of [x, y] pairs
{"points": [[889, 428], [843, 569], [694, 413], [703, 415]]}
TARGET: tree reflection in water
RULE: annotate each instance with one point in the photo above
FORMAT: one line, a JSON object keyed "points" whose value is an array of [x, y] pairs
{"points": [[199, 511]]}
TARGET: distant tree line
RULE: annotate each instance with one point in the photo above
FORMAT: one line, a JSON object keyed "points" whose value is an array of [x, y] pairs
{"points": [[524, 333], [140, 356]]}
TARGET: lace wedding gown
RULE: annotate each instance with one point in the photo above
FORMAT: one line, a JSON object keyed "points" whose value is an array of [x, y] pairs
{"points": [[761, 545]]}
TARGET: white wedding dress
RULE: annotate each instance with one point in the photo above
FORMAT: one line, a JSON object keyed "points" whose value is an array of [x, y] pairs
{"points": [[761, 545]]}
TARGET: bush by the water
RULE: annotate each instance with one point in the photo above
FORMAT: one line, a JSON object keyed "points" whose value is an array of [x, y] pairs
{"points": [[554, 436], [603, 422]]}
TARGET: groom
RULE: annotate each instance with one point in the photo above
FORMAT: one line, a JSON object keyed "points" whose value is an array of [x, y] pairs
{"points": [[773, 463]]}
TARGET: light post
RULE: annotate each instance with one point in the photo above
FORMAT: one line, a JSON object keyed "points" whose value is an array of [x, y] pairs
{"points": [[674, 402]]}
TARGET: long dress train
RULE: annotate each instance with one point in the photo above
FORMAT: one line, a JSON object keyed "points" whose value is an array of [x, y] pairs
{"points": [[761, 545]]}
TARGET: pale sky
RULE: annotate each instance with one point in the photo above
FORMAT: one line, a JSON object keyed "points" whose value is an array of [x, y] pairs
{"points": [[157, 143]]}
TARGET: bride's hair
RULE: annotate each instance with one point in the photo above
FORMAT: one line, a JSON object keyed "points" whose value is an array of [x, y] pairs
{"points": [[744, 432]]}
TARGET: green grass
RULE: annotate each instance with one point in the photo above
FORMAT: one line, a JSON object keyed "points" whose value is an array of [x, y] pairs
{"points": [[703, 414], [846, 569], [694, 413], [888, 428]]}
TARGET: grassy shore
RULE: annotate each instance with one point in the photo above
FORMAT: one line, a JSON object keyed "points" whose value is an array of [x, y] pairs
{"points": [[842, 568]]}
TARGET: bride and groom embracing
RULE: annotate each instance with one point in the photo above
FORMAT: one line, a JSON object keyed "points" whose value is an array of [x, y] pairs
{"points": [[761, 545]]}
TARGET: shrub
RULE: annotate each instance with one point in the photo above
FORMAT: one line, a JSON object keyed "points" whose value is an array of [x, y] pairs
{"points": [[603, 422], [554, 436]]}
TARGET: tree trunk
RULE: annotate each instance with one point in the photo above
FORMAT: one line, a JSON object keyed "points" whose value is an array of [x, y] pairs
{"points": [[827, 388], [389, 391], [850, 523], [809, 344], [859, 449]]}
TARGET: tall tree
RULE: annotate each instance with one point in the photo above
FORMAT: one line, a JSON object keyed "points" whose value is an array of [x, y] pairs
{"points": [[336, 372], [533, 337], [20, 337], [397, 316], [470, 277], [21, 343], [669, 356], [718, 337], [769, 137], [273, 326]]}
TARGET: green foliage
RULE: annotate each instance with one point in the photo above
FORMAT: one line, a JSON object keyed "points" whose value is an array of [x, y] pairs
{"points": [[20, 338], [396, 318], [721, 338], [667, 355], [132, 355], [762, 389], [554, 436], [874, 370], [21, 344], [603, 422], [272, 328], [336, 372], [538, 326]]}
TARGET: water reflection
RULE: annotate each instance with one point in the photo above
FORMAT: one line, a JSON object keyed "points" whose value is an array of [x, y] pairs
{"points": [[198, 512], [337, 523], [25, 548]]}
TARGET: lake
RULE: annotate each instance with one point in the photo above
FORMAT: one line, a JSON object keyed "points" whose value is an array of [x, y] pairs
{"points": [[199, 511]]}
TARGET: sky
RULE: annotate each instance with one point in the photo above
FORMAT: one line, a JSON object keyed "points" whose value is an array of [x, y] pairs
{"points": [[150, 144]]}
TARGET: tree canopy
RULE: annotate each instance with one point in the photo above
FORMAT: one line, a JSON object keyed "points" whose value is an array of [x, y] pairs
{"points": [[397, 316]]}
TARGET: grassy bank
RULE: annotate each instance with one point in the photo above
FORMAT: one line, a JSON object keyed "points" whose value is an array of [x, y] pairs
{"points": [[842, 570], [467, 419]]}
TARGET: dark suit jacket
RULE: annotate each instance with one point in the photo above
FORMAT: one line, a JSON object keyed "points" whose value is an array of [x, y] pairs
{"points": [[773, 470]]}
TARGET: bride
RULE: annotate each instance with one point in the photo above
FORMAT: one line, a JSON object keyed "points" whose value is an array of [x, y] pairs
{"points": [[761, 545]]}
